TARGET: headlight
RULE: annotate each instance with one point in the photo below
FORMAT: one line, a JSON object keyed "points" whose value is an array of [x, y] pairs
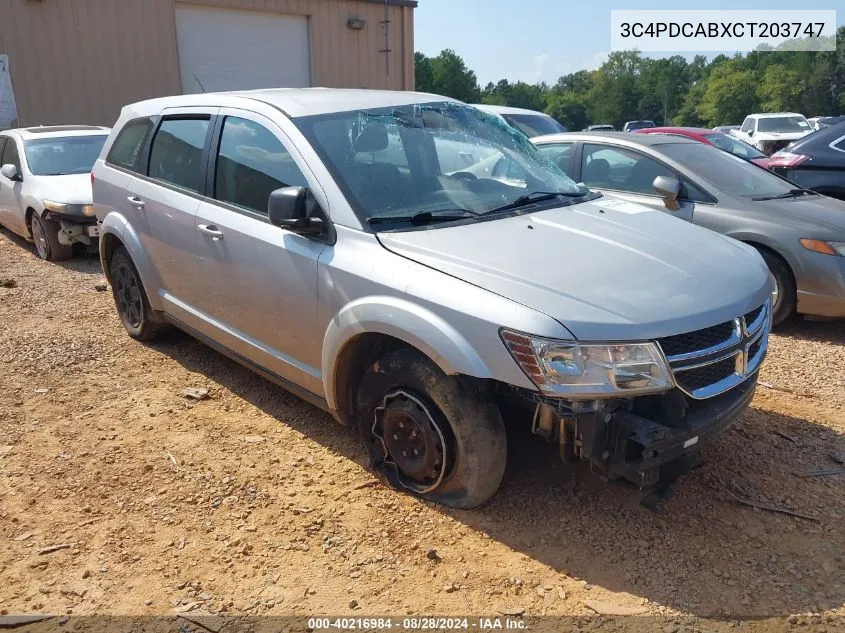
{"points": [[586, 370], [70, 209], [825, 248]]}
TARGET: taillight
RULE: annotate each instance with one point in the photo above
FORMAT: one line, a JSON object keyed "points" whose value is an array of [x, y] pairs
{"points": [[92, 180], [786, 159]]}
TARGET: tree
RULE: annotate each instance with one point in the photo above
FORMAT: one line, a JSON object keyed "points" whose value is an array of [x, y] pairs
{"points": [[780, 89], [422, 73], [729, 96], [451, 77], [570, 108]]}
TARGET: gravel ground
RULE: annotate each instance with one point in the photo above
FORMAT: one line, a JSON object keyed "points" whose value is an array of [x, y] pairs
{"points": [[253, 502]]}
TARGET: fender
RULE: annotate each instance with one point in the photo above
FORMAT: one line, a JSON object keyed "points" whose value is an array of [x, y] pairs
{"points": [[403, 320], [116, 224], [772, 245]]}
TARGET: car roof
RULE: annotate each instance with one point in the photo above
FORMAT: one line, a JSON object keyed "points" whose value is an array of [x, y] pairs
{"points": [[678, 130], [54, 131], [293, 102], [766, 115], [500, 109], [623, 137]]}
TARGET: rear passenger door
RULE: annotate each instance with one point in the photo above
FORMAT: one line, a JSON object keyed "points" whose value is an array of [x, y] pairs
{"points": [[165, 202], [257, 285]]}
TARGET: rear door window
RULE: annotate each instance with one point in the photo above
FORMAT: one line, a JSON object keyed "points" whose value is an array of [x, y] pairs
{"points": [[251, 164], [126, 150], [560, 154], [177, 150]]}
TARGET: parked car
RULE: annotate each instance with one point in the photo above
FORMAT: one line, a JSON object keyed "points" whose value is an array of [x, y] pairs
{"points": [[631, 126], [529, 122], [721, 140], [815, 162], [774, 131], [604, 127], [278, 227], [45, 186], [800, 234], [828, 121], [726, 128]]}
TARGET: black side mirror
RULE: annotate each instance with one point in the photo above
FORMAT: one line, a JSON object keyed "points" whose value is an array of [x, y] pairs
{"points": [[292, 208], [751, 132], [669, 189]]}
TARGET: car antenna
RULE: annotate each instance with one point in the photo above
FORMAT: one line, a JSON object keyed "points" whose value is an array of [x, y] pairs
{"points": [[199, 82]]}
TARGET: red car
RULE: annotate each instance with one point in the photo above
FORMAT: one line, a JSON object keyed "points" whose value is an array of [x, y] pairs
{"points": [[719, 139]]}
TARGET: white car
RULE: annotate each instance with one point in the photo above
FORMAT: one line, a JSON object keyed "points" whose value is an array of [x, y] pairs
{"points": [[45, 186], [772, 132], [529, 122]]}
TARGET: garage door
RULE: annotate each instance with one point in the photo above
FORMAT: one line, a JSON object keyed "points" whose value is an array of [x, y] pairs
{"points": [[225, 49]]}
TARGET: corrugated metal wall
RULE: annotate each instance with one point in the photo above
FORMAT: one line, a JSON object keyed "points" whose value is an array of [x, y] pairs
{"points": [[80, 61]]}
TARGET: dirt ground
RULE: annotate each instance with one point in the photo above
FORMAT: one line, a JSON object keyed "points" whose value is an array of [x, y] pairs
{"points": [[253, 502]]}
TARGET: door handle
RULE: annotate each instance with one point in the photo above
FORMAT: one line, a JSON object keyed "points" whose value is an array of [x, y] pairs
{"points": [[136, 202], [211, 231]]}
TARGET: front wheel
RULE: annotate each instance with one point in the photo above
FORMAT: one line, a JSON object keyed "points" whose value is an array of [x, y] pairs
{"points": [[783, 296], [45, 235], [433, 435]]}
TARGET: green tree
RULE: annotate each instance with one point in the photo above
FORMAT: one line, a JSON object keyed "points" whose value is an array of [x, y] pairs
{"points": [[780, 89], [422, 73], [570, 108], [451, 77], [729, 96]]}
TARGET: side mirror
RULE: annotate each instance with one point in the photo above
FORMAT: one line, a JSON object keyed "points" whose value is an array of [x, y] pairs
{"points": [[751, 132], [10, 171], [669, 189], [289, 207]]}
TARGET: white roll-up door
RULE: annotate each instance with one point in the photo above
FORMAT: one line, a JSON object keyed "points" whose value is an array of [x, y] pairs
{"points": [[228, 49]]}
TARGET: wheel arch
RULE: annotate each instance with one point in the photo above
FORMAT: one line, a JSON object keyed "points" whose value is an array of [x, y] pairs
{"points": [[367, 328], [115, 232]]}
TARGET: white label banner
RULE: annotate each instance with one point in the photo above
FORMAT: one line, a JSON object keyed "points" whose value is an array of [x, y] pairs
{"points": [[722, 31]]}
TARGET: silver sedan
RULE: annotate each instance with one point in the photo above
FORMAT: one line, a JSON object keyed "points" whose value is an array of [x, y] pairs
{"points": [[799, 233]]}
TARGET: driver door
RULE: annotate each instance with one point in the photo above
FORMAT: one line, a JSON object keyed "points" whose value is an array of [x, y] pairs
{"points": [[629, 175], [11, 213]]}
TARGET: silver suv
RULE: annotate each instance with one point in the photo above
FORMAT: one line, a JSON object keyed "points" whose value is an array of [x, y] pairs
{"points": [[357, 248]]}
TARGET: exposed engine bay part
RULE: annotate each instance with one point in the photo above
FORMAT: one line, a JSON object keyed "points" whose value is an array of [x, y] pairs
{"points": [[648, 441]]}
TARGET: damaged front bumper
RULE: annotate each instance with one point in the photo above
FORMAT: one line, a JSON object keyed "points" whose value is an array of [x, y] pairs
{"points": [[640, 440], [76, 229]]}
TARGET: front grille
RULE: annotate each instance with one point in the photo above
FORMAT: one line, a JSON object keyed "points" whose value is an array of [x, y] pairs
{"points": [[694, 379], [753, 316], [755, 348], [712, 360], [697, 341]]}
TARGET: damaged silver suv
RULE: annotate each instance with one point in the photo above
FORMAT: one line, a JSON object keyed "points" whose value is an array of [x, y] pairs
{"points": [[367, 251]]}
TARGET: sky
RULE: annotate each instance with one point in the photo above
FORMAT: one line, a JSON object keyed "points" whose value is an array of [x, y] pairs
{"points": [[540, 40]]}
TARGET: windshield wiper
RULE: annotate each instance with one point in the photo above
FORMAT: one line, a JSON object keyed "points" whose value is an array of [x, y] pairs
{"points": [[792, 193], [426, 217], [535, 196]]}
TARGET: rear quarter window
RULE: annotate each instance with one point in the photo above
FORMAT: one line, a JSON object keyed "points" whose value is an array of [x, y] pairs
{"points": [[126, 150]]}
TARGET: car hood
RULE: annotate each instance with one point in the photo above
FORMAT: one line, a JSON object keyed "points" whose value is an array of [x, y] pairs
{"points": [[68, 189], [815, 216], [779, 136], [606, 269]]}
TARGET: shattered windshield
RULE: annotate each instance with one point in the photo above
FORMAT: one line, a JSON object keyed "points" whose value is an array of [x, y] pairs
{"points": [[400, 162]]}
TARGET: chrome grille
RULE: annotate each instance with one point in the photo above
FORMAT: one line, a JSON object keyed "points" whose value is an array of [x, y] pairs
{"points": [[712, 360]]}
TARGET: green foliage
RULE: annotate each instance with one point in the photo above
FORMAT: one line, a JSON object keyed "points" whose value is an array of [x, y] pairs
{"points": [[670, 91]]}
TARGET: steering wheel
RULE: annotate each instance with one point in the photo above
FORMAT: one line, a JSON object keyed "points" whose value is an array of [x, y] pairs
{"points": [[464, 175]]}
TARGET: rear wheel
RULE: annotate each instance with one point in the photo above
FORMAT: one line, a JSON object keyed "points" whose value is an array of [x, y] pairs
{"points": [[433, 435], [783, 297], [141, 322], [45, 235]]}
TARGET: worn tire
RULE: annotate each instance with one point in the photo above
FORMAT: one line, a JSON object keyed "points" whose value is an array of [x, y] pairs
{"points": [[45, 236], [475, 442], [130, 298], [786, 302]]}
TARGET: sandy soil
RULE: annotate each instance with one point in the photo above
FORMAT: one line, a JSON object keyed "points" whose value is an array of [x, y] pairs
{"points": [[251, 501]]}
